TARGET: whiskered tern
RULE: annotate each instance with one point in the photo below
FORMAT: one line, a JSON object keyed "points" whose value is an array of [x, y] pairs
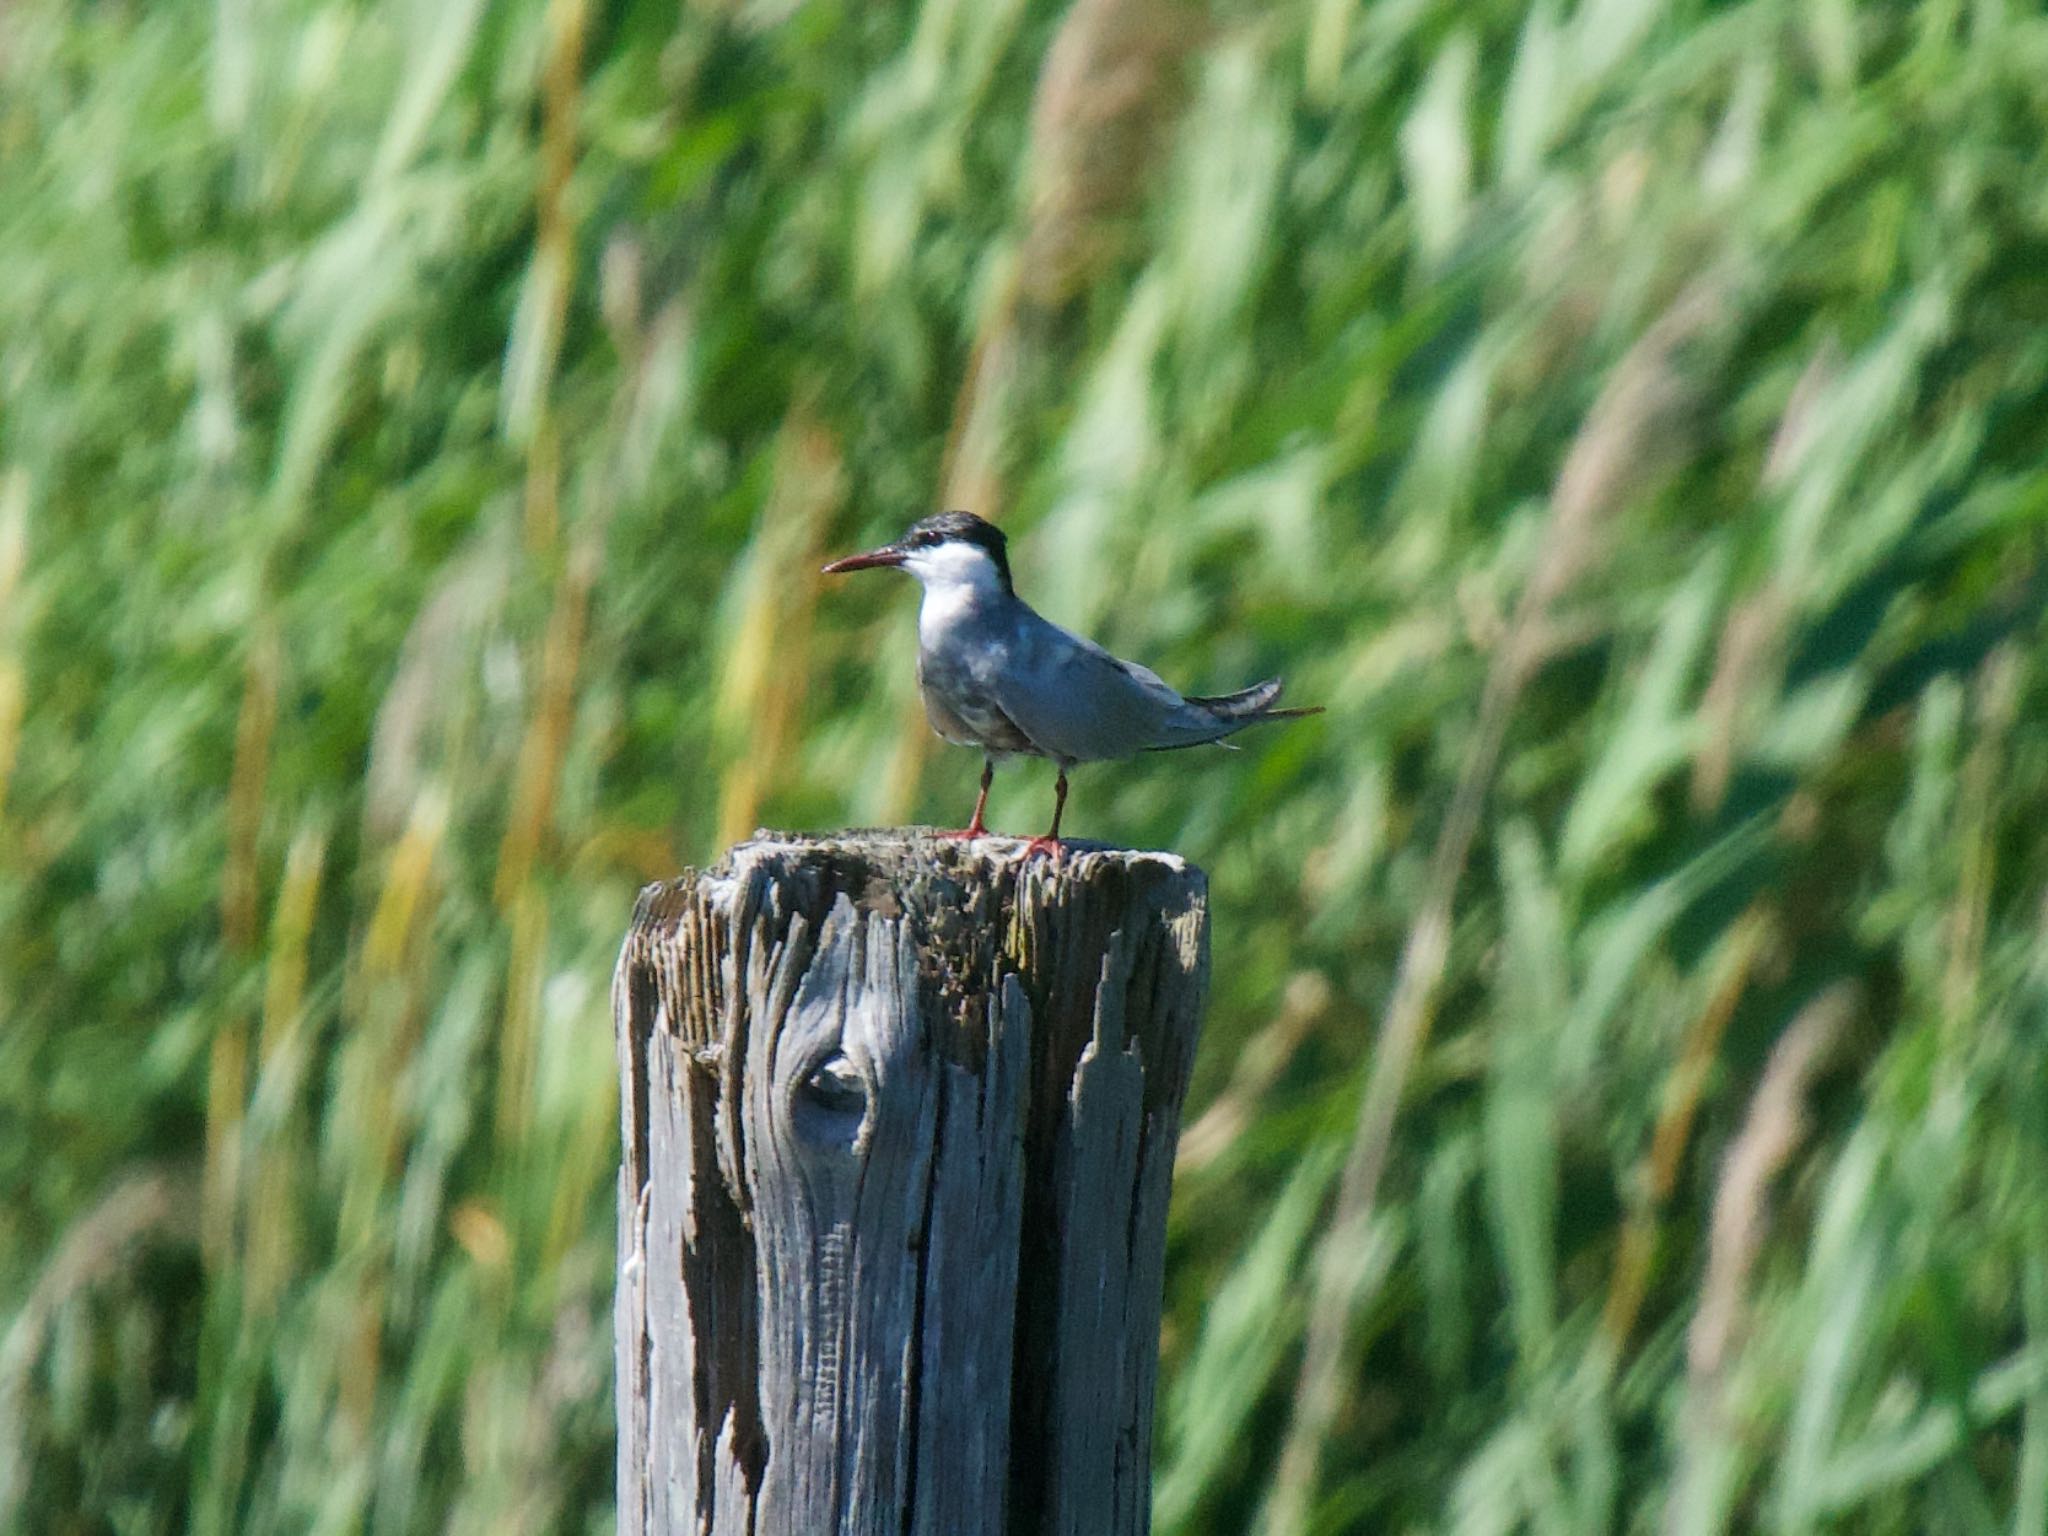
{"points": [[997, 676]]}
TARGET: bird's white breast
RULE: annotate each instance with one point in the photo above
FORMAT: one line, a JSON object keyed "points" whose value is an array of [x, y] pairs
{"points": [[944, 610]]}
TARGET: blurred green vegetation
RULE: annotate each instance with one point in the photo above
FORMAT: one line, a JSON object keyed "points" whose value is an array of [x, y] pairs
{"points": [[420, 424]]}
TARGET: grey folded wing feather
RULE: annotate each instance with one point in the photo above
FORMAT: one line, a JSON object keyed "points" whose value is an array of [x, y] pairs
{"points": [[1079, 703]]}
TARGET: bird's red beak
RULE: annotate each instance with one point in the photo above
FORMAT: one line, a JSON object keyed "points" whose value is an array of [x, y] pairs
{"points": [[888, 554]]}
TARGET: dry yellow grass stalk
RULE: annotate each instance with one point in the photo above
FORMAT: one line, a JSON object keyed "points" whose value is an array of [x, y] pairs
{"points": [[767, 667]]}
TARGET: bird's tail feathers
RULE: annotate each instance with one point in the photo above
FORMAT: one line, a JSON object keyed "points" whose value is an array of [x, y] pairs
{"points": [[1246, 701], [1230, 712], [1253, 703]]}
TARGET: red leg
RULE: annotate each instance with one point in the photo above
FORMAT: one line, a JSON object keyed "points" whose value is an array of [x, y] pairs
{"points": [[1050, 843], [975, 828]]}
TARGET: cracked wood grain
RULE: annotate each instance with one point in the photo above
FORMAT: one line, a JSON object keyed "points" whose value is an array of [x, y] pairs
{"points": [[899, 1118]]}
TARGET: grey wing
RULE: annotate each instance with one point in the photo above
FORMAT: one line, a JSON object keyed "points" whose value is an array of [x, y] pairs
{"points": [[1080, 704]]}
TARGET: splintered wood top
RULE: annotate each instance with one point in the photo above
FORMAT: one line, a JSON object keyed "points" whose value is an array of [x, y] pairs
{"points": [[923, 854], [974, 912]]}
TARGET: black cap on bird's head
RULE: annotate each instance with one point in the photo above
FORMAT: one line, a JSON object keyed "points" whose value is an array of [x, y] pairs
{"points": [[931, 534]]}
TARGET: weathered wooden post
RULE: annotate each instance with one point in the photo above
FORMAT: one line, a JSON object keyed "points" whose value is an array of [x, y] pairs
{"points": [[899, 1126]]}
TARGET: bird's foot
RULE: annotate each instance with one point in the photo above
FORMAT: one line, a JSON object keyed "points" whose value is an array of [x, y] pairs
{"points": [[1048, 845], [967, 834]]}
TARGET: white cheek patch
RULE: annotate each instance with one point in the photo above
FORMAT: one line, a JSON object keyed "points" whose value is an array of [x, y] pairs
{"points": [[954, 564]]}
